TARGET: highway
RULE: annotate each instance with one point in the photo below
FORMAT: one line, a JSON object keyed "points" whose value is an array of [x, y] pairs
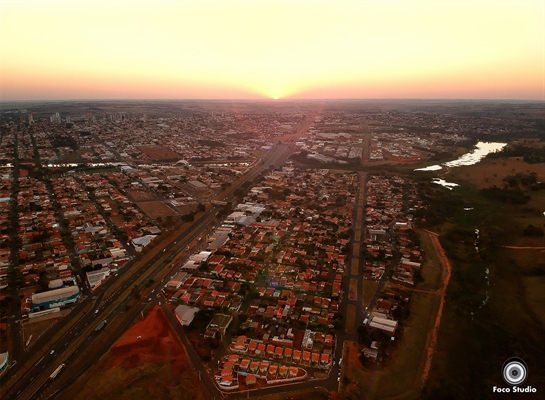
{"points": [[87, 322]]}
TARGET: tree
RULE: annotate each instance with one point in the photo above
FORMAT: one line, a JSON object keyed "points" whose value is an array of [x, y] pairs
{"points": [[201, 207], [533, 231], [363, 334], [43, 282], [136, 292]]}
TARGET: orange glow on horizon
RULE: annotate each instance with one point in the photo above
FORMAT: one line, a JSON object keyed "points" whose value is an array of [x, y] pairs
{"points": [[272, 50]]}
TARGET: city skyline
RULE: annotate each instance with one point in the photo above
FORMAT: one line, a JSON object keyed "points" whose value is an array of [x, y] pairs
{"points": [[266, 50]]}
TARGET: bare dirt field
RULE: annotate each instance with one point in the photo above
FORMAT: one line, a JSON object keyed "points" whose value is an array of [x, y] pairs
{"points": [[156, 209], [155, 152], [148, 361], [141, 195]]}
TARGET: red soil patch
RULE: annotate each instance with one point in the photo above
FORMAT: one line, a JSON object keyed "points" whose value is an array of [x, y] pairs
{"points": [[158, 344]]}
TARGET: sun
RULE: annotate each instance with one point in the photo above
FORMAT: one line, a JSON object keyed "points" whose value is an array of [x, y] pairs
{"points": [[276, 98]]}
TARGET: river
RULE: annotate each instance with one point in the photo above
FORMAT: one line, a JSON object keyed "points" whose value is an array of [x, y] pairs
{"points": [[482, 149]]}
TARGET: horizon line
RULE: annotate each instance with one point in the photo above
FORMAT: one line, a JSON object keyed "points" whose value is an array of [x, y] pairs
{"points": [[276, 100]]}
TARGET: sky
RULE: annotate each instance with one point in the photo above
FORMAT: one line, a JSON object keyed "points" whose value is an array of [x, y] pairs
{"points": [[56, 50]]}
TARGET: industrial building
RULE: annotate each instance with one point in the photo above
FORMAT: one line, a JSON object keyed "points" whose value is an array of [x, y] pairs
{"points": [[96, 278], [385, 325], [185, 314], [55, 298]]}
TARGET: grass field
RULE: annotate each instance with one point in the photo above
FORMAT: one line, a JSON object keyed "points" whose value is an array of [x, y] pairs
{"points": [[432, 270], [491, 172], [535, 295], [156, 209], [314, 394], [355, 267], [369, 289], [353, 289], [350, 321], [36, 328], [141, 195], [487, 321], [405, 361]]}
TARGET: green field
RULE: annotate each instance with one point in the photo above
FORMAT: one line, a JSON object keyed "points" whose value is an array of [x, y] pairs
{"points": [[478, 334], [369, 289], [432, 271]]}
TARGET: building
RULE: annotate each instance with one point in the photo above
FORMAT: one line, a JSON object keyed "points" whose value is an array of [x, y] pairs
{"points": [[386, 325], [55, 298], [96, 278], [185, 314], [219, 323], [141, 242], [198, 186], [4, 359]]}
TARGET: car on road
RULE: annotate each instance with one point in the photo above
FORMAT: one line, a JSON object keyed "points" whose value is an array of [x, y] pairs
{"points": [[149, 299], [52, 352], [340, 361], [96, 311]]}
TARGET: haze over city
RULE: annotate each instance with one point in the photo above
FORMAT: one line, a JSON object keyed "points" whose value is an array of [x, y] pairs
{"points": [[55, 50]]}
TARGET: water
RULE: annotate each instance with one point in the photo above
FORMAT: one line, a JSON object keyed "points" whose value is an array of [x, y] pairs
{"points": [[430, 168], [73, 165], [486, 276], [482, 149], [442, 182]]}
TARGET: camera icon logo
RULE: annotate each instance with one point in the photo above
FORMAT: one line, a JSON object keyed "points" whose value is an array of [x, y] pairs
{"points": [[514, 371]]}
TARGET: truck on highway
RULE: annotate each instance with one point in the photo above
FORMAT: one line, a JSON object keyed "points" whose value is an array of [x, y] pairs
{"points": [[101, 325], [57, 371]]}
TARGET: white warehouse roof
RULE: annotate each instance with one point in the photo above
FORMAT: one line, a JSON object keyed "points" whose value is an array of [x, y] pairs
{"points": [[53, 295]]}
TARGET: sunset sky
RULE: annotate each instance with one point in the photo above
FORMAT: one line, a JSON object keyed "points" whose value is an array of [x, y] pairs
{"points": [[266, 49]]}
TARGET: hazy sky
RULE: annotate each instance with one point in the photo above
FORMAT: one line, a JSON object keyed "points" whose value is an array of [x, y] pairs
{"points": [[265, 49]]}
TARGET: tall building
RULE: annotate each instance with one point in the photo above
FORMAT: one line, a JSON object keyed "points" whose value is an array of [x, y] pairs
{"points": [[30, 119], [55, 119]]}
